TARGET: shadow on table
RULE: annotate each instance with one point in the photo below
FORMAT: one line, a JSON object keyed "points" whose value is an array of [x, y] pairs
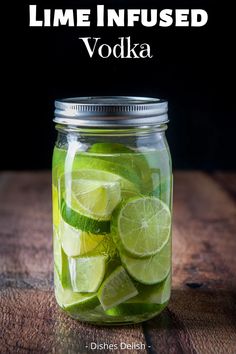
{"points": [[196, 309]]}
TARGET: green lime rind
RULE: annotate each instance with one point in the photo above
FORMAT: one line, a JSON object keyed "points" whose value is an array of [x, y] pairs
{"points": [[116, 289], [143, 225], [81, 303], [83, 222], [87, 273], [150, 270]]}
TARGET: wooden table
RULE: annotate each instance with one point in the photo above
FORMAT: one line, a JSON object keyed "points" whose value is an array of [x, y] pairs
{"points": [[201, 316]]}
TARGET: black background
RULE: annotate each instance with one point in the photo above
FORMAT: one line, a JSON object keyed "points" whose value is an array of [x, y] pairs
{"points": [[192, 68]]}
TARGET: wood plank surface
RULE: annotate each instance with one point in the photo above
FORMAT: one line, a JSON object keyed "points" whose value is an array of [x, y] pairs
{"points": [[201, 316]]}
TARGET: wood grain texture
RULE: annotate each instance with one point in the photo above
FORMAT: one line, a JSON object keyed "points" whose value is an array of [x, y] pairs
{"points": [[201, 317]]}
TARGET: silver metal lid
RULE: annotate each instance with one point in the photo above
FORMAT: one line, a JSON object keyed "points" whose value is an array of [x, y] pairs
{"points": [[111, 111]]}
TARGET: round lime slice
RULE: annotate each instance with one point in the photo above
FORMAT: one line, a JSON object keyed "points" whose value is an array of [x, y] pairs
{"points": [[150, 270], [144, 225], [87, 273], [116, 289], [77, 242]]}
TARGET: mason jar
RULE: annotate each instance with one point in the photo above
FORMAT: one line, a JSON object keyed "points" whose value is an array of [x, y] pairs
{"points": [[112, 208]]}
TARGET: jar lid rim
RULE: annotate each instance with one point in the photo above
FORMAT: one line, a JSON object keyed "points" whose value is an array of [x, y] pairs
{"points": [[111, 111]]}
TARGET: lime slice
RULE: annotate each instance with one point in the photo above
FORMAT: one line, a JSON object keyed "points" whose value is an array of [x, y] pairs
{"points": [[90, 204], [97, 198], [76, 242], [153, 294], [144, 225], [74, 302], [151, 270], [117, 288], [126, 157], [79, 220], [110, 166], [87, 273]]}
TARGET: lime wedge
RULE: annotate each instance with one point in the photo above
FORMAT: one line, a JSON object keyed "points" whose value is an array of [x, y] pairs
{"points": [[88, 204], [74, 302], [77, 242], [79, 220], [143, 225], [97, 198], [61, 262], [151, 270], [87, 273], [116, 289], [153, 294]]}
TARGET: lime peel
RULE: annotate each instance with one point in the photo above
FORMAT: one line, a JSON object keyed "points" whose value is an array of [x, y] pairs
{"points": [[83, 222], [116, 289]]}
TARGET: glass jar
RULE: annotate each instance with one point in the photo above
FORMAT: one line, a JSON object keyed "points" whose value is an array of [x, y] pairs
{"points": [[112, 208]]}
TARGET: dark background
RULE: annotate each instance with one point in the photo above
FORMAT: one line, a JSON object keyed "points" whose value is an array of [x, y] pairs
{"points": [[192, 68]]}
